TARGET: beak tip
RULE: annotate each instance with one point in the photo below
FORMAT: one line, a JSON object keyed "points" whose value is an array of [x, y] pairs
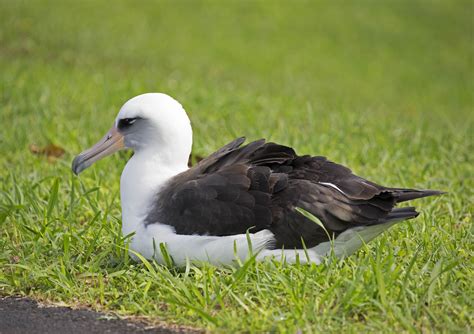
{"points": [[76, 166]]}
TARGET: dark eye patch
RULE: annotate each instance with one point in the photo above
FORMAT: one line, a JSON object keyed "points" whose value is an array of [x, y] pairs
{"points": [[125, 123]]}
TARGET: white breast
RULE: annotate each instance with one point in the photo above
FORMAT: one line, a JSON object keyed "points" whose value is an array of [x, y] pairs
{"points": [[138, 187]]}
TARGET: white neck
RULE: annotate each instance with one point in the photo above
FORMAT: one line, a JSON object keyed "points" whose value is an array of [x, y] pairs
{"points": [[143, 176]]}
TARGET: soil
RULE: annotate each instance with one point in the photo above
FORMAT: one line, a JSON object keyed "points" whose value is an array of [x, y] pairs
{"points": [[23, 315]]}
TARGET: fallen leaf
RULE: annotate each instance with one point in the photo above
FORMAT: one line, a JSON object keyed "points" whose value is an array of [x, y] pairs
{"points": [[51, 151]]}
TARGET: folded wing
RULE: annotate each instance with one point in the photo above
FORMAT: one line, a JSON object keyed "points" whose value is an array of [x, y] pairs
{"points": [[241, 189]]}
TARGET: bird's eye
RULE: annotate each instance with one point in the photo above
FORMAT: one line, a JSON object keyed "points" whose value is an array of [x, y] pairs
{"points": [[126, 122]]}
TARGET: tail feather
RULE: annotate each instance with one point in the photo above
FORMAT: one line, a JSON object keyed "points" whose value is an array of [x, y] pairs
{"points": [[401, 214], [350, 240], [402, 195]]}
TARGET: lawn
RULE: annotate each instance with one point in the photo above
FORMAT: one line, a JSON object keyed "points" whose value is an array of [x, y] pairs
{"points": [[383, 87]]}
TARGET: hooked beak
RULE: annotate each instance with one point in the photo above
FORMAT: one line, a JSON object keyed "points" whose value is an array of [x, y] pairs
{"points": [[110, 143]]}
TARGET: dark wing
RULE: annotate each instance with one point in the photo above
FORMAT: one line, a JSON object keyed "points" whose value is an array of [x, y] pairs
{"points": [[222, 195], [258, 186]]}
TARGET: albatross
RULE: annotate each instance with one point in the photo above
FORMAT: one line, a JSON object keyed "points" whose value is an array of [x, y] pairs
{"points": [[240, 201]]}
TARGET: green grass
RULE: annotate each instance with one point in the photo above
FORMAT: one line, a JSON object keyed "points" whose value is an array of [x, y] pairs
{"points": [[385, 88]]}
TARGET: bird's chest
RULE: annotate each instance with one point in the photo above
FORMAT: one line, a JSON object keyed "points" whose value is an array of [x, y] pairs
{"points": [[141, 181], [138, 189]]}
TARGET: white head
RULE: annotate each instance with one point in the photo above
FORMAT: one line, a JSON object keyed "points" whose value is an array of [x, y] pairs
{"points": [[154, 124]]}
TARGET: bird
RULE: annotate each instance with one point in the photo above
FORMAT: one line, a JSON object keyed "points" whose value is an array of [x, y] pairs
{"points": [[258, 200]]}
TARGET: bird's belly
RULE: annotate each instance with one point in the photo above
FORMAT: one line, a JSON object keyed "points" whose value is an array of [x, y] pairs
{"points": [[149, 240]]}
